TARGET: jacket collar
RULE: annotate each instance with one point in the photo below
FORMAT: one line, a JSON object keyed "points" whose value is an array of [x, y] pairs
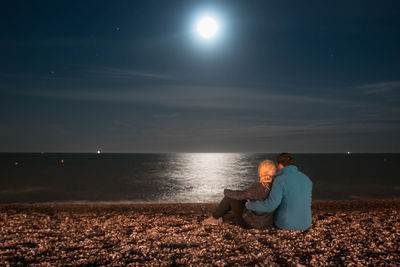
{"points": [[287, 169]]}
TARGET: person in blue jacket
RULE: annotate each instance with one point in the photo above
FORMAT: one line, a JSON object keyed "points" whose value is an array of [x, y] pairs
{"points": [[290, 195]]}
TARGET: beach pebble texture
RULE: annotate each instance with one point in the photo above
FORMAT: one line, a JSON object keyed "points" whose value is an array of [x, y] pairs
{"points": [[351, 233]]}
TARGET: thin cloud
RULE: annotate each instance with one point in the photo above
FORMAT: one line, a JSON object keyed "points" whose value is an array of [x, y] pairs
{"points": [[278, 129], [49, 42], [378, 88], [166, 116], [89, 75], [193, 97], [117, 73]]}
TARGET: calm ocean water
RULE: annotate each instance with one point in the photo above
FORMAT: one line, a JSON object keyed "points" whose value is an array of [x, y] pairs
{"points": [[197, 177]]}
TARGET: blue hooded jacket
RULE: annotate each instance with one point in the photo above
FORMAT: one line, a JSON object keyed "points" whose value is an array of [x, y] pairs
{"points": [[291, 193]]}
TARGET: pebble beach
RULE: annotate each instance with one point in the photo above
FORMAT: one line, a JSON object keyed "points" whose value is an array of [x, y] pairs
{"points": [[351, 233]]}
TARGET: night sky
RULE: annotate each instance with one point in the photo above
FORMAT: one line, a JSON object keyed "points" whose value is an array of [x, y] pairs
{"points": [[135, 76]]}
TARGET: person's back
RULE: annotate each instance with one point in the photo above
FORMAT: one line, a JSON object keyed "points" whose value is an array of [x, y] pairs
{"points": [[294, 212], [290, 196]]}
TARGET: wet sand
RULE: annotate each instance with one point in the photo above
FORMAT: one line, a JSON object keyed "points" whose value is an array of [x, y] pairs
{"points": [[364, 232]]}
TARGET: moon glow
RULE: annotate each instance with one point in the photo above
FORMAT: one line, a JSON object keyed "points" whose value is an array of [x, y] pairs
{"points": [[207, 27]]}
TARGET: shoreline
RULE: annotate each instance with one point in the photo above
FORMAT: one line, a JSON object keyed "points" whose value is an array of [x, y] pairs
{"points": [[129, 202], [360, 232], [317, 205]]}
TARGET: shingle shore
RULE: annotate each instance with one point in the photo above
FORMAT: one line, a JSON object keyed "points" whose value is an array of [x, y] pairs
{"points": [[364, 232]]}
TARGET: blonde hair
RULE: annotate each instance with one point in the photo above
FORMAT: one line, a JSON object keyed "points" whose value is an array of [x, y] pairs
{"points": [[266, 172]]}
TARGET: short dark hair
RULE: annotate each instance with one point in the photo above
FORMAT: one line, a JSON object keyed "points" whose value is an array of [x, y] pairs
{"points": [[285, 159]]}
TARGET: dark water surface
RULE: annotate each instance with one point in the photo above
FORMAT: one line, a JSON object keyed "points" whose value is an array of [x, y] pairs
{"points": [[184, 177]]}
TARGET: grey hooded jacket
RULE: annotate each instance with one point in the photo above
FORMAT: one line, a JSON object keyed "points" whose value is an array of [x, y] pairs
{"points": [[259, 220]]}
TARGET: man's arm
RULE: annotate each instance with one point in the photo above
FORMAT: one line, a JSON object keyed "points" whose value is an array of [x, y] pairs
{"points": [[269, 204], [240, 195]]}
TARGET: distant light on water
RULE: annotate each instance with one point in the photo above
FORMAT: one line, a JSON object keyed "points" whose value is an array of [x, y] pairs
{"points": [[348, 153], [98, 152]]}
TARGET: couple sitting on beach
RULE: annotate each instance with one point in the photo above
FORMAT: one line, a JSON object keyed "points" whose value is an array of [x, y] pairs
{"points": [[280, 198]]}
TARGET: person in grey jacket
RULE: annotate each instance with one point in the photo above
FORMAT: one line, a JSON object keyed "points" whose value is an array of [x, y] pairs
{"points": [[235, 201]]}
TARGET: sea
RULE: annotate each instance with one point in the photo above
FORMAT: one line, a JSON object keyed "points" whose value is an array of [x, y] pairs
{"points": [[183, 177]]}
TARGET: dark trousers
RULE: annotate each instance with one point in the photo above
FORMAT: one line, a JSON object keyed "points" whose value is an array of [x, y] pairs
{"points": [[236, 206]]}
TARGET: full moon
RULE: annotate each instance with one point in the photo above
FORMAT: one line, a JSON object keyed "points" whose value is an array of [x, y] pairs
{"points": [[207, 27]]}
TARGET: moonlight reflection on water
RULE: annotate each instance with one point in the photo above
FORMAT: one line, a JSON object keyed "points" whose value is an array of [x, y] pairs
{"points": [[202, 177]]}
